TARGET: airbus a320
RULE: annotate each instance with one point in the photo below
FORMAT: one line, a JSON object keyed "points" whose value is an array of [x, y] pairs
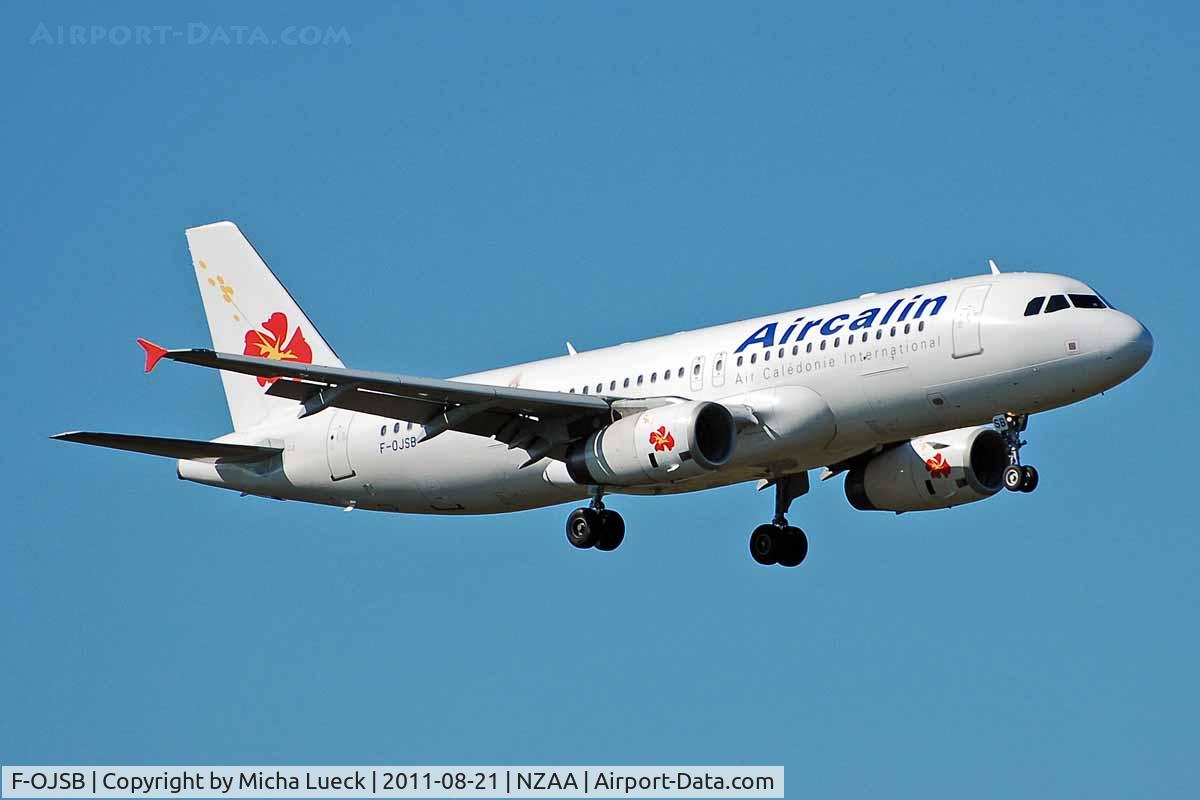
{"points": [[918, 397]]}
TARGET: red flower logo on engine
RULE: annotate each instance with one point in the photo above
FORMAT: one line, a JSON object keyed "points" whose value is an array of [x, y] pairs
{"points": [[662, 439], [938, 466], [269, 343]]}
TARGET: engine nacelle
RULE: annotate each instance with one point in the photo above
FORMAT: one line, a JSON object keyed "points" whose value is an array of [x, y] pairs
{"points": [[940, 470], [660, 445]]}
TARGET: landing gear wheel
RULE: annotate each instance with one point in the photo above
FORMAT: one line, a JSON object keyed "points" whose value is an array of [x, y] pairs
{"points": [[1014, 478], [794, 547], [764, 544], [583, 527], [1029, 479], [612, 530]]}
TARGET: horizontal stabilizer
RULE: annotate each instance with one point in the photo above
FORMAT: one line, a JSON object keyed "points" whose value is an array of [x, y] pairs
{"points": [[189, 449]]}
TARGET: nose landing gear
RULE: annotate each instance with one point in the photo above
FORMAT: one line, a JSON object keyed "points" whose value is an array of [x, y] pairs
{"points": [[779, 542], [1017, 478], [595, 526]]}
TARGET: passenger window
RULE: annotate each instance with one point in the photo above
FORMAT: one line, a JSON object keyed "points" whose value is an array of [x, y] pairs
{"points": [[572, 390], [879, 334], [1056, 303], [1086, 301], [893, 331], [921, 325], [625, 384], [767, 356], [907, 328], [599, 388], [809, 348], [383, 431], [585, 391], [612, 386], [640, 380], [822, 344], [667, 375], [653, 377], [781, 352], [720, 362], [680, 373], [851, 339], [1035, 306], [795, 349], [396, 428], [837, 341]]}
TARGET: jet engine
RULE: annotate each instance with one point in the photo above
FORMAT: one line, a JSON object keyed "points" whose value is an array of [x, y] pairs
{"points": [[659, 445], [940, 470]]}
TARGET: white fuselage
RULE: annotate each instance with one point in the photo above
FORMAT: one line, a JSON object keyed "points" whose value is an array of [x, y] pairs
{"points": [[827, 383]]}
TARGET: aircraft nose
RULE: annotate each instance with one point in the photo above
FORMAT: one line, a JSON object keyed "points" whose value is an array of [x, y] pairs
{"points": [[1132, 344]]}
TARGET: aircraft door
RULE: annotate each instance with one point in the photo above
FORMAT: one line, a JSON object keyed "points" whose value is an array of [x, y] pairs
{"points": [[967, 316], [698, 374], [337, 446], [718, 371]]}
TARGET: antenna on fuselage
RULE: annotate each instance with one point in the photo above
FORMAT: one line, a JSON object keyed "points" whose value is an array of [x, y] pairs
{"points": [[995, 269]]}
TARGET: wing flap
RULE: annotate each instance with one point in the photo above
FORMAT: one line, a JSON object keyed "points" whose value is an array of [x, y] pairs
{"points": [[484, 423], [189, 449]]}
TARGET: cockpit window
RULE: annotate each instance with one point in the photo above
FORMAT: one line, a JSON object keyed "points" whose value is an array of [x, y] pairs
{"points": [[1035, 305], [1086, 301], [1056, 303]]}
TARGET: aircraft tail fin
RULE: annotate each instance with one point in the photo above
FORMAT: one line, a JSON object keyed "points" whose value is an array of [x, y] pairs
{"points": [[251, 313]]}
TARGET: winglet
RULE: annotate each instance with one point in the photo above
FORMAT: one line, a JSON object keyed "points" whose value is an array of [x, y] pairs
{"points": [[571, 349], [995, 269], [154, 353]]}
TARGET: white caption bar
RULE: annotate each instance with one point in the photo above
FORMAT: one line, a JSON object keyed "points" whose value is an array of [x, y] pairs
{"points": [[391, 782]]}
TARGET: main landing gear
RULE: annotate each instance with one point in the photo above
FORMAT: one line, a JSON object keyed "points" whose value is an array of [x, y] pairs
{"points": [[1017, 478], [595, 526], [779, 542]]}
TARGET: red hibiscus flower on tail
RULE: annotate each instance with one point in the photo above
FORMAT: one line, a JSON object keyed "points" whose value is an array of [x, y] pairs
{"points": [[269, 343], [662, 439], [938, 466]]}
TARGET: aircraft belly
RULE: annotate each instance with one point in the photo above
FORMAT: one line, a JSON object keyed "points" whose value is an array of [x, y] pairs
{"points": [[454, 473]]}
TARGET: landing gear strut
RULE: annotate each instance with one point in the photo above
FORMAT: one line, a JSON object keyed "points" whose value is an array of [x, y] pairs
{"points": [[596, 526], [778, 542], [1017, 478]]}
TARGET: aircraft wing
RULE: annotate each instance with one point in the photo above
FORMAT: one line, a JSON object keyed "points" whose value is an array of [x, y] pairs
{"points": [[528, 418]]}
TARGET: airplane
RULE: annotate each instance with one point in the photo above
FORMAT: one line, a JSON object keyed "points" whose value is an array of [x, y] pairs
{"points": [[919, 397]]}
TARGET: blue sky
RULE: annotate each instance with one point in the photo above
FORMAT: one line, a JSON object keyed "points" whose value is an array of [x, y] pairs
{"points": [[461, 186]]}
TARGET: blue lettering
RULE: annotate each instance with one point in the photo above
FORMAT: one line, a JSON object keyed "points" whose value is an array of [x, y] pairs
{"points": [[865, 319], [937, 306], [788, 332], [891, 311], [828, 329], [907, 309], [808, 326], [764, 336]]}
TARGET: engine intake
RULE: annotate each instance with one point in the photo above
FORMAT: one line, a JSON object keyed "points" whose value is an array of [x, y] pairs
{"points": [[940, 470], [663, 444]]}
